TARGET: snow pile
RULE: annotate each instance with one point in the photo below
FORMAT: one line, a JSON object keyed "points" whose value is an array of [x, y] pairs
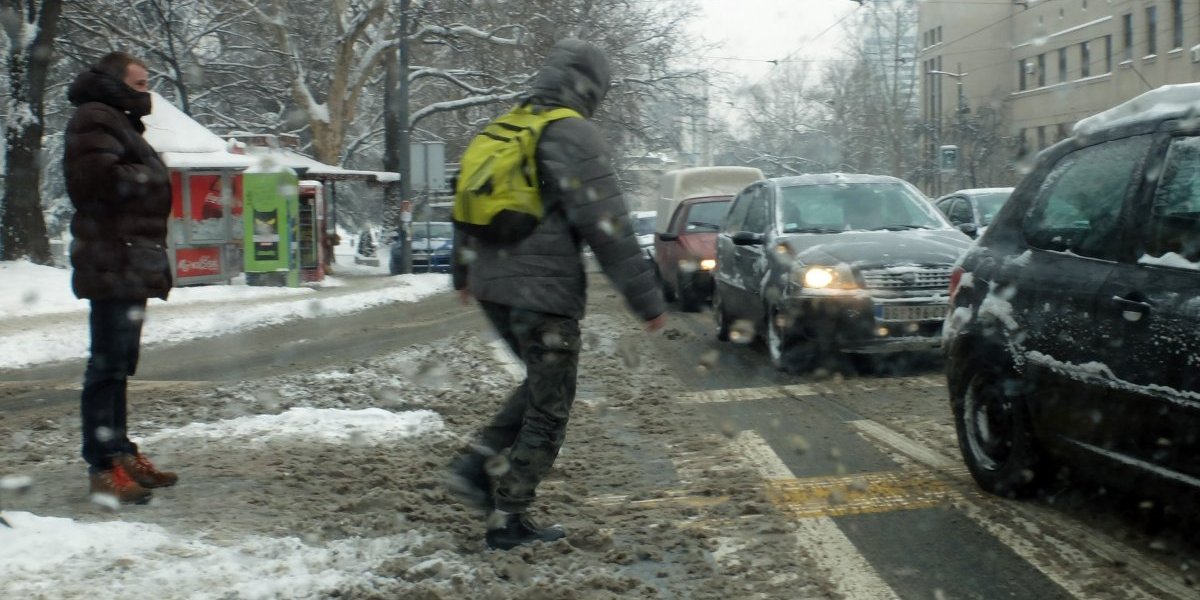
{"points": [[36, 551], [328, 425]]}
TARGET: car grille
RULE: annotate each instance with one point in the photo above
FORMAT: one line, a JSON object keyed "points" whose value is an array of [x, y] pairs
{"points": [[919, 278]]}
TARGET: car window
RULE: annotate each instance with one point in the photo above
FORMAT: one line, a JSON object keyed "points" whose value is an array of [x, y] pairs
{"points": [[432, 230], [756, 214], [1175, 215], [1078, 206], [737, 214], [988, 205], [828, 208], [960, 212], [706, 216], [644, 225]]}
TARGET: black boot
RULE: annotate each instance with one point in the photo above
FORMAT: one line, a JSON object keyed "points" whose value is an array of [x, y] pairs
{"points": [[517, 529], [467, 480]]}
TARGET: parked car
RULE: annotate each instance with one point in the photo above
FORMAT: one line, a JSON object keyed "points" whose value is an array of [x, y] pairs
{"points": [[643, 227], [835, 263], [691, 205], [432, 247], [1075, 332], [972, 210]]}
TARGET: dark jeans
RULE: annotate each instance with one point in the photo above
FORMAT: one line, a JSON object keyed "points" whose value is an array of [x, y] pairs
{"points": [[532, 423], [116, 331]]}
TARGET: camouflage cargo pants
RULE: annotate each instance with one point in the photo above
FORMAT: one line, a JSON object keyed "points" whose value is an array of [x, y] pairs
{"points": [[532, 423]]}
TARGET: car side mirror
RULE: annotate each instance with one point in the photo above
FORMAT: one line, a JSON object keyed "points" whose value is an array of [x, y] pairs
{"points": [[747, 238], [668, 237], [969, 228]]}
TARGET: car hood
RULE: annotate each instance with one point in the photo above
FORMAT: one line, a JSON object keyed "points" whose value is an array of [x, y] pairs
{"points": [[431, 243], [879, 248]]}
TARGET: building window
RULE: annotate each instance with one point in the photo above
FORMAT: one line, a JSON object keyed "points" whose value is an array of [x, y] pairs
{"points": [[1021, 66], [939, 35], [1062, 65], [1151, 30], [1061, 133], [1108, 54], [1085, 60], [1127, 36], [1041, 70], [1041, 137], [1176, 23]]}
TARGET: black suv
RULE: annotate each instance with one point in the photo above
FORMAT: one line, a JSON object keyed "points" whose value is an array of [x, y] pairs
{"points": [[1075, 329], [834, 263]]}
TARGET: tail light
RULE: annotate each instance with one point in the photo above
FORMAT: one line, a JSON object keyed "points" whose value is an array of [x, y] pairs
{"points": [[955, 278]]}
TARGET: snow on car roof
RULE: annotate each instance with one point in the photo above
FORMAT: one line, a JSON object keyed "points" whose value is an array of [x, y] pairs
{"points": [[1166, 102]]}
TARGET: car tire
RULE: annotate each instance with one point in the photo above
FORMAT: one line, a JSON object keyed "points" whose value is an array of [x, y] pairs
{"points": [[995, 435], [719, 317], [788, 354], [689, 300]]}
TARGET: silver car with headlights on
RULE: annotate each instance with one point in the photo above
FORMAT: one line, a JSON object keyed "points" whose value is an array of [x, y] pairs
{"points": [[825, 264]]}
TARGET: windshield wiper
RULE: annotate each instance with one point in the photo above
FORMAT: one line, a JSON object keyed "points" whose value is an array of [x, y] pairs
{"points": [[899, 227], [811, 230]]}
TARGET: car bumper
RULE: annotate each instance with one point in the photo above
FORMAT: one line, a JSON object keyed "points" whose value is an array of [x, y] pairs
{"points": [[861, 324]]}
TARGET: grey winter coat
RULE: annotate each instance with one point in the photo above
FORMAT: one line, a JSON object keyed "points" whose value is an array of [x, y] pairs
{"points": [[545, 271]]}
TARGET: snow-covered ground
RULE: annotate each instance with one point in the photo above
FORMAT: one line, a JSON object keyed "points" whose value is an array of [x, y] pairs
{"points": [[324, 484], [43, 321]]}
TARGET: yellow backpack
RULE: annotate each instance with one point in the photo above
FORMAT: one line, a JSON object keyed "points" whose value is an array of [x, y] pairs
{"points": [[496, 197]]}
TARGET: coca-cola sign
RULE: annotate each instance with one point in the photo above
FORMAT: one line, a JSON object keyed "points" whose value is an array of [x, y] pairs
{"points": [[197, 262]]}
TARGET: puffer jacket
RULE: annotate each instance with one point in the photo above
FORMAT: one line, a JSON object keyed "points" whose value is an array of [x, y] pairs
{"points": [[583, 204], [121, 192]]}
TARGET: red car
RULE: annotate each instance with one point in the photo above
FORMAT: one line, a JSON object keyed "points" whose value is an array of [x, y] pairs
{"points": [[691, 208]]}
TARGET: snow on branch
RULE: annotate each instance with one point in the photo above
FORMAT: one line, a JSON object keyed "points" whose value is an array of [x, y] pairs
{"points": [[461, 29], [449, 105], [454, 77]]}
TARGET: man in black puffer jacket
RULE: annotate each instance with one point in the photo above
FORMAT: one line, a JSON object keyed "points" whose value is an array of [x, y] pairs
{"points": [[534, 293], [121, 192]]}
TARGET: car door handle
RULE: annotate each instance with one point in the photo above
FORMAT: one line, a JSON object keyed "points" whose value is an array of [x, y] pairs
{"points": [[1137, 306]]}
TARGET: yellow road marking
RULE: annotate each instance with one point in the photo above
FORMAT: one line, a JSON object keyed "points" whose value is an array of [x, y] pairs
{"points": [[861, 494]]}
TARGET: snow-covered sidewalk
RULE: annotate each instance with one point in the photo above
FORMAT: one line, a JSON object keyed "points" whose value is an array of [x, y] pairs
{"points": [[44, 322]]}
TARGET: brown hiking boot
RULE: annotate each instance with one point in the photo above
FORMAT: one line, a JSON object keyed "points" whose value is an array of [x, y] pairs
{"points": [[144, 472], [117, 483]]}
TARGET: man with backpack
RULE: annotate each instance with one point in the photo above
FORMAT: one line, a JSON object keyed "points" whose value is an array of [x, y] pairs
{"points": [[523, 264]]}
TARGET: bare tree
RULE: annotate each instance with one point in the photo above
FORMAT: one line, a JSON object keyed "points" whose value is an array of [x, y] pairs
{"points": [[30, 27]]}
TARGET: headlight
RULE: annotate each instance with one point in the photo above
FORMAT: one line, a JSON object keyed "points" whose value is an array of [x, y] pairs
{"points": [[708, 264], [825, 278], [818, 277]]}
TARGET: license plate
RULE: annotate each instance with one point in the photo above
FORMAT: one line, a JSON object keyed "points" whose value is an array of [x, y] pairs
{"points": [[924, 312]]}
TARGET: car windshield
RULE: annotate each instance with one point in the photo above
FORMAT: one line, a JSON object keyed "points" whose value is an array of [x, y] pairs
{"points": [[828, 208], [431, 230], [644, 225], [706, 216], [988, 205]]}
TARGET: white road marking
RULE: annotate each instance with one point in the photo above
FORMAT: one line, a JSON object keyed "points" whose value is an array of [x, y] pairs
{"points": [[1078, 555], [747, 394], [510, 363], [848, 571]]}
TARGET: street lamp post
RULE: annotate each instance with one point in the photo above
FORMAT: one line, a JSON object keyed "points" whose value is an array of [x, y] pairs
{"points": [[961, 112]]}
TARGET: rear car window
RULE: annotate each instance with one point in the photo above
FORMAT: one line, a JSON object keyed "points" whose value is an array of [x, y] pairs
{"points": [[1078, 205], [988, 205]]}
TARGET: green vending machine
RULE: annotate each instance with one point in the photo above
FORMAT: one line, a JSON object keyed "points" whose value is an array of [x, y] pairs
{"points": [[270, 213]]}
